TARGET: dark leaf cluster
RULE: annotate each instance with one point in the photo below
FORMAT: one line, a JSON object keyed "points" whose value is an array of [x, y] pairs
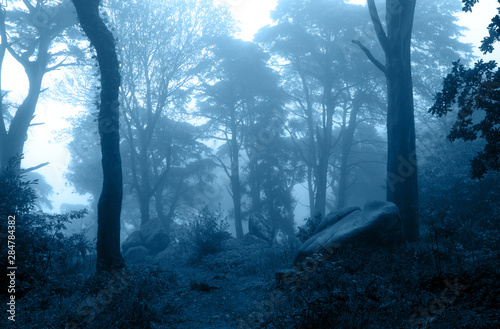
{"points": [[476, 92]]}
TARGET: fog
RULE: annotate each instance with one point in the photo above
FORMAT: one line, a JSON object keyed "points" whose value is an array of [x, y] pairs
{"points": [[277, 164]]}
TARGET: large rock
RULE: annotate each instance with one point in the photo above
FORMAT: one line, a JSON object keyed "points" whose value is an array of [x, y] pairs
{"points": [[333, 217], [136, 254], [260, 227], [154, 235], [133, 240], [250, 239], [379, 223]]}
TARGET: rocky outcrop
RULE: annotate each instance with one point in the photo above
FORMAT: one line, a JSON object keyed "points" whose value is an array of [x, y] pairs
{"points": [[379, 223], [335, 216], [150, 240], [136, 254], [133, 240], [155, 237]]}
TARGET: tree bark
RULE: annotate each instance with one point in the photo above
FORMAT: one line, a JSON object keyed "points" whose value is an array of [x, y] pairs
{"points": [[347, 139], [402, 183], [144, 194], [14, 139], [110, 201], [235, 180]]}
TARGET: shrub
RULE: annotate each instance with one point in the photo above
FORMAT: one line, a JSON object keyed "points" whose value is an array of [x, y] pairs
{"points": [[307, 231], [41, 245], [207, 232]]}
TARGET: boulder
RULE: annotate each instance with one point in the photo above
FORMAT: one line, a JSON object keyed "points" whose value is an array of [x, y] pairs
{"points": [[136, 254], [133, 240], [379, 223], [154, 235], [260, 227], [335, 216], [250, 239]]}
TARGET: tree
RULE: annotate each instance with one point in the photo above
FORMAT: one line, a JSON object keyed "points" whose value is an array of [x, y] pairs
{"points": [[273, 174], [476, 91], [309, 38], [110, 201], [176, 158], [402, 178], [36, 37], [240, 83], [162, 51]]}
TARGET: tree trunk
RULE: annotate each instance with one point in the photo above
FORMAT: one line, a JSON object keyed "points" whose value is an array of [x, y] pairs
{"points": [[401, 162], [16, 137], [235, 180], [110, 201], [324, 154], [13, 141], [145, 190], [347, 139], [402, 183], [310, 188], [236, 189], [164, 219]]}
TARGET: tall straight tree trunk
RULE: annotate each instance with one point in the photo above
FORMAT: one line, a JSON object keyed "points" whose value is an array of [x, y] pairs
{"points": [[402, 183], [402, 179], [144, 195], [235, 183], [347, 139], [310, 188], [110, 201], [325, 152], [162, 217], [322, 168]]}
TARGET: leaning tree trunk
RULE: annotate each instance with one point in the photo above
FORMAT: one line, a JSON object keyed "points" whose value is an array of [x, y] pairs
{"points": [[110, 201], [402, 183]]}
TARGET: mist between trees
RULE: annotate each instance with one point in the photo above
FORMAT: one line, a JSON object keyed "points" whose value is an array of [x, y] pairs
{"points": [[189, 137]]}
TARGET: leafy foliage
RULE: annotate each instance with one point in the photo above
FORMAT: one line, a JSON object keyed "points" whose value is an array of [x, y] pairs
{"points": [[207, 232], [364, 288], [307, 231], [476, 92], [41, 245]]}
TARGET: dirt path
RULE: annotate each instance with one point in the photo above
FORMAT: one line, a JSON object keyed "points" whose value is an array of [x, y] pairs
{"points": [[206, 299]]}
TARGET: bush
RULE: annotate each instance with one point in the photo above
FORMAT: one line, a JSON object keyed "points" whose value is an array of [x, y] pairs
{"points": [[307, 231], [207, 232], [40, 245]]}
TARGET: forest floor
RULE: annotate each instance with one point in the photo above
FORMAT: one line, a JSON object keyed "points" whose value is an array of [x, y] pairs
{"points": [[414, 286], [204, 299], [222, 290]]}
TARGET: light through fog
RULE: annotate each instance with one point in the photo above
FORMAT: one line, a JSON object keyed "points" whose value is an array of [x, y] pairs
{"points": [[43, 146]]}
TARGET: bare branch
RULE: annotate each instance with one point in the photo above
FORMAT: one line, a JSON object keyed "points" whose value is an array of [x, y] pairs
{"points": [[28, 5], [24, 171], [58, 65], [370, 56], [377, 24]]}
